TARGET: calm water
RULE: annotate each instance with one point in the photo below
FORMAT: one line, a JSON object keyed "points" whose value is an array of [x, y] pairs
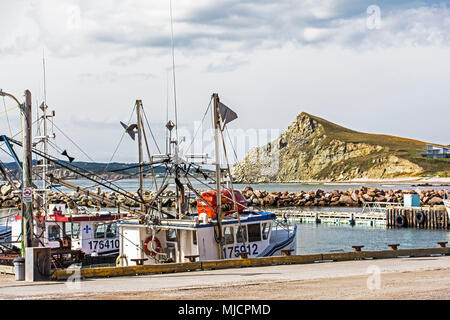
{"points": [[133, 185], [312, 238]]}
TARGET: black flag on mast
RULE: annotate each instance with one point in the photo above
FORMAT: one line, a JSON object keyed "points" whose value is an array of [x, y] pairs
{"points": [[64, 153], [226, 113], [129, 129]]}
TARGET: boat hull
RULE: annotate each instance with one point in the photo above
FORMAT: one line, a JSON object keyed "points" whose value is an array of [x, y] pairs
{"points": [[447, 205], [282, 240]]}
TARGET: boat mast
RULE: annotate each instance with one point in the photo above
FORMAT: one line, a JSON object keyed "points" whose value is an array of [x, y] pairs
{"points": [[141, 161], [219, 213], [45, 143]]}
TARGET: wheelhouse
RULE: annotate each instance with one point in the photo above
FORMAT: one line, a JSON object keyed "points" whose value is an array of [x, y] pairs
{"points": [[93, 233], [180, 240]]}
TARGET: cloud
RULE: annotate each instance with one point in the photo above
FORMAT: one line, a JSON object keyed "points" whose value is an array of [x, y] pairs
{"points": [[226, 64], [77, 27], [114, 76], [260, 55]]}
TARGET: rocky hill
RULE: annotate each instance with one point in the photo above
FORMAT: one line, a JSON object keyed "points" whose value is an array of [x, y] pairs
{"points": [[314, 149]]}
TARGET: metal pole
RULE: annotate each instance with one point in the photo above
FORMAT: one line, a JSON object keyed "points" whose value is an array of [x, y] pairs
{"points": [[218, 173], [45, 144], [141, 160], [27, 207]]}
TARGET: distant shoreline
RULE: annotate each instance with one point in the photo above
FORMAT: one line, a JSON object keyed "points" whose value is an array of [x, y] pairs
{"points": [[413, 180]]}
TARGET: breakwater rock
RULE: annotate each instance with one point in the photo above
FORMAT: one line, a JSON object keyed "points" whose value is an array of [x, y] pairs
{"points": [[336, 198], [257, 198]]}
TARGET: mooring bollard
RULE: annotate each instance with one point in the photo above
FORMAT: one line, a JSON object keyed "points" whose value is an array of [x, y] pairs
{"points": [[357, 248], [317, 218], [352, 220], [286, 252], [243, 255], [394, 246], [442, 243]]}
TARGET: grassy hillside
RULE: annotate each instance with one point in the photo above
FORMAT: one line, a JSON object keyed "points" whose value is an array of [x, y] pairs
{"points": [[408, 149]]}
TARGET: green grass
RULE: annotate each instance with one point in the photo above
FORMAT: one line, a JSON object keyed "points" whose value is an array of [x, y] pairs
{"points": [[405, 148]]}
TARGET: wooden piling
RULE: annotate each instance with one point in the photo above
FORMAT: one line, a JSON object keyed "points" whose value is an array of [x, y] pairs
{"points": [[445, 220], [433, 220], [438, 219], [412, 217], [406, 214], [388, 217]]}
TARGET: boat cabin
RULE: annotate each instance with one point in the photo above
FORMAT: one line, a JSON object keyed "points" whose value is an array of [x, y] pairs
{"points": [[180, 240], [93, 233]]}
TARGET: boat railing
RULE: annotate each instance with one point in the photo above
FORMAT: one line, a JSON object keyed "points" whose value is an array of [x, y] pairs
{"points": [[376, 208], [286, 221]]}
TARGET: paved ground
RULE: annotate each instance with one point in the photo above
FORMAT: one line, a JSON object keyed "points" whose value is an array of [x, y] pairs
{"points": [[402, 278]]}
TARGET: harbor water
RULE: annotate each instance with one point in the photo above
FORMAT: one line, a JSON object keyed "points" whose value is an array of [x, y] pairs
{"points": [[131, 185], [321, 238]]}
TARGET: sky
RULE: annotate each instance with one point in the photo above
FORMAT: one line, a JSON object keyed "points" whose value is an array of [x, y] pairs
{"points": [[372, 66]]}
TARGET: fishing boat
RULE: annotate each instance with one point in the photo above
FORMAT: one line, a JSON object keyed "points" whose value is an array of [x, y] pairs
{"points": [[91, 233], [70, 233], [253, 234], [221, 227]]}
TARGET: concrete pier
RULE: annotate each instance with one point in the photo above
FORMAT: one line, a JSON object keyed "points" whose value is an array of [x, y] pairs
{"points": [[392, 279], [429, 217], [337, 217]]}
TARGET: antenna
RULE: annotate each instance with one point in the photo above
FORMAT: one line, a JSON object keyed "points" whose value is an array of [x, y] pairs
{"points": [[167, 111], [45, 139], [173, 73]]}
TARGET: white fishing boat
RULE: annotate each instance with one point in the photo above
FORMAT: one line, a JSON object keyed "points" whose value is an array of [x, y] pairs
{"points": [[221, 227], [77, 231], [255, 234], [91, 232]]}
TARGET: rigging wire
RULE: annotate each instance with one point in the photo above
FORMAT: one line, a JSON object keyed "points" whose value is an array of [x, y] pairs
{"points": [[76, 145], [87, 174], [116, 170], [6, 112], [203, 119], [231, 143], [120, 141], [151, 132]]}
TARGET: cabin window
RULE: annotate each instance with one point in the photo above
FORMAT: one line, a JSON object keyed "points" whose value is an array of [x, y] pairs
{"points": [[99, 231], [194, 238], [111, 230], [75, 231], [254, 232], [229, 235], [171, 235], [265, 230], [53, 232], [239, 234]]}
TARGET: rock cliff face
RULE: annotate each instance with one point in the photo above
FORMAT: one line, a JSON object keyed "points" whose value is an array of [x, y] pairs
{"points": [[315, 149]]}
